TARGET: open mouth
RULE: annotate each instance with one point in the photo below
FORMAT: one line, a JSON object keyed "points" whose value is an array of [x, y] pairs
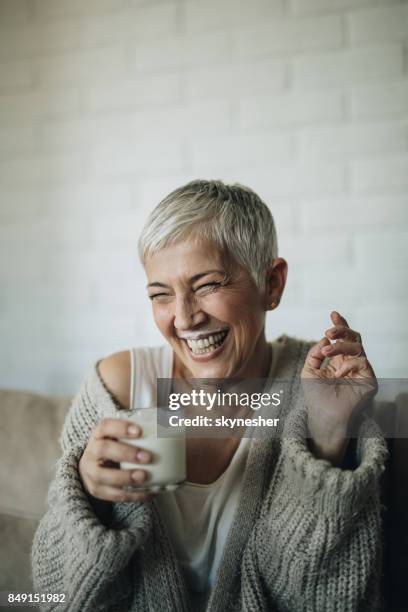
{"points": [[207, 344]]}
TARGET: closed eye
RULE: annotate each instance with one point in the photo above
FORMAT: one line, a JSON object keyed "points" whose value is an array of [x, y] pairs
{"points": [[206, 286], [157, 295], [214, 284]]}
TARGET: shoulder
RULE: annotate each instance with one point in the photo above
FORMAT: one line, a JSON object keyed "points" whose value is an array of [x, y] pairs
{"points": [[115, 373], [291, 353]]}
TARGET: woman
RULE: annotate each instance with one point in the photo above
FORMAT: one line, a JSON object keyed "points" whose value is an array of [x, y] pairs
{"points": [[276, 523]]}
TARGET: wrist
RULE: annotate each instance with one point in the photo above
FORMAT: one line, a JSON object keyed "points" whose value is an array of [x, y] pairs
{"points": [[328, 439], [333, 451]]}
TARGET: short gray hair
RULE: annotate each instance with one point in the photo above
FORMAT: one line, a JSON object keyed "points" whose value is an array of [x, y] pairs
{"points": [[233, 217]]}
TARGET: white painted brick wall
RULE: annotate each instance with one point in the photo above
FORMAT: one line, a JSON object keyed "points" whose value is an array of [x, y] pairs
{"points": [[101, 64], [357, 212], [178, 52], [348, 67], [108, 105], [14, 11], [15, 74], [213, 14], [235, 80], [291, 109], [36, 39], [388, 173], [304, 7], [31, 106], [290, 36], [45, 9], [377, 100], [132, 24], [140, 91], [352, 140], [381, 24]]}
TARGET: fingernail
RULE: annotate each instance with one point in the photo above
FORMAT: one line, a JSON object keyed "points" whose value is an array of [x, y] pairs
{"points": [[133, 430], [138, 476], [143, 456], [327, 349]]}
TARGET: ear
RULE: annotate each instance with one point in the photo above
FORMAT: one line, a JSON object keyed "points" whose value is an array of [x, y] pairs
{"points": [[275, 283]]}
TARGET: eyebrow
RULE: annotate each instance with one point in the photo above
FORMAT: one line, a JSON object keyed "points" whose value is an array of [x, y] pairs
{"points": [[193, 279]]}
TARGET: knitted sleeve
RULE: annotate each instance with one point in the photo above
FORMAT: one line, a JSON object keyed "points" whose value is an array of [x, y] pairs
{"points": [[319, 545], [72, 551]]}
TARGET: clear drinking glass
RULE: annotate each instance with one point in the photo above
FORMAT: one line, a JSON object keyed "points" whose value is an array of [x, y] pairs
{"points": [[167, 470]]}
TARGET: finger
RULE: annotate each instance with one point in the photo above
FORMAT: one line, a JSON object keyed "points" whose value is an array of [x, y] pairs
{"points": [[355, 349], [101, 476], [338, 319], [315, 357], [116, 428], [107, 449], [139, 496], [340, 332], [356, 364], [115, 494]]}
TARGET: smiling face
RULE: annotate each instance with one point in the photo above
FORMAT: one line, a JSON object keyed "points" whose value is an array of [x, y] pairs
{"points": [[211, 313]]}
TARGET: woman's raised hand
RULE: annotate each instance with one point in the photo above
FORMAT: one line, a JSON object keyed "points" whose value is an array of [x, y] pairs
{"points": [[332, 407], [96, 466]]}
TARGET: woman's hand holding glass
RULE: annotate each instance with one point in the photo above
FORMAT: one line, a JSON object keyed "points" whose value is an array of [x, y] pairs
{"points": [[332, 407], [96, 466]]}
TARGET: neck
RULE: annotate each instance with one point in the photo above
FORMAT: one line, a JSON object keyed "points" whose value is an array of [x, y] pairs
{"points": [[259, 364]]}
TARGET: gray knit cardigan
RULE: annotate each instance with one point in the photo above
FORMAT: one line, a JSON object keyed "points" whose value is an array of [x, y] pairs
{"points": [[306, 536]]}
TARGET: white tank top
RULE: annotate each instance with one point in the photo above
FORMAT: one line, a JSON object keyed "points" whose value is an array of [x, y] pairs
{"points": [[197, 517]]}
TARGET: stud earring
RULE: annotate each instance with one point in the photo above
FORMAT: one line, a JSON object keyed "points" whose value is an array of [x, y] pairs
{"points": [[274, 305]]}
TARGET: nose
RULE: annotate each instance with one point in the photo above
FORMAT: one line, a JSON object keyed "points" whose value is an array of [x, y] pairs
{"points": [[187, 314]]}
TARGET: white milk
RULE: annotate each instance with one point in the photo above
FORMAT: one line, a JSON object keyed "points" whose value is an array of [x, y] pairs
{"points": [[168, 466]]}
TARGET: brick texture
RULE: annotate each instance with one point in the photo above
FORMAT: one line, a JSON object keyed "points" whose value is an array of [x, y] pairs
{"points": [[108, 105]]}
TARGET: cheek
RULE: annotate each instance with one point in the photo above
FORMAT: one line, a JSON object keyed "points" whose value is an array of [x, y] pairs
{"points": [[161, 317], [244, 315], [248, 319], [220, 309], [227, 305], [243, 312]]}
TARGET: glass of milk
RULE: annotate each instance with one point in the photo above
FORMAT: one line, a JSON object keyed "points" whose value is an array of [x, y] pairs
{"points": [[167, 469]]}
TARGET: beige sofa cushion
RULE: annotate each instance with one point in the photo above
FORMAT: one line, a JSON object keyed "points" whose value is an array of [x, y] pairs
{"points": [[29, 431], [29, 449], [16, 535]]}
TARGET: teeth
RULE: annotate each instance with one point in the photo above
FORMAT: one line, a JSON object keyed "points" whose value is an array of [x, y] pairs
{"points": [[206, 345]]}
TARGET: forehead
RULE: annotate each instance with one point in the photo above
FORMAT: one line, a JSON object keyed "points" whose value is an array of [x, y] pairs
{"points": [[184, 259]]}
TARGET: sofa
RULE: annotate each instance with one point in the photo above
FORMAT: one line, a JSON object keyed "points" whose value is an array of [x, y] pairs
{"points": [[29, 448], [29, 432]]}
